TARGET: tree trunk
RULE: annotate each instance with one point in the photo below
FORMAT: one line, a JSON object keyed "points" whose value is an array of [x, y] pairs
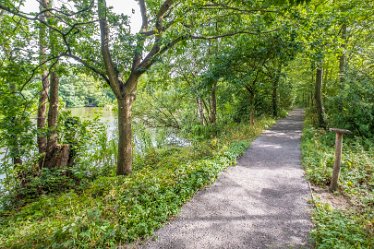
{"points": [[324, 86], [342, 65], [213, 103], [200, 111], [15, 150], [17, 160], [56, 155], [342, 58], [42, 110], [125, 94], [252, 109], [311, 88], [318, 99], [16, 121], [275, 92], [275, 98], [124, 163], [43, 96], [252, 117], [53, 112]]}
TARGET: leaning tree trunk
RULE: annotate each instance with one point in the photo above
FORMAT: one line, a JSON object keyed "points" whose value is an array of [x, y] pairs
{"points": [[318, 99], [43, 96], [124, 163]]}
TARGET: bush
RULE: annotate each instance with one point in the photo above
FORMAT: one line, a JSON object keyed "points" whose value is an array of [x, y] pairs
{"points": [[357, 106], [116, 210], [340, 230], [334, 228]]}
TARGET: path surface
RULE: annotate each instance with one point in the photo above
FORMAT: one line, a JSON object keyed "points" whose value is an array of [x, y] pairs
{"points": [[260, 203]]}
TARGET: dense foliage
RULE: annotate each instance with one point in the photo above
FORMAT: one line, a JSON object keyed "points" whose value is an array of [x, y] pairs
{"points": [[112, 210], [188, 91], [340, 227], [82, 90]]}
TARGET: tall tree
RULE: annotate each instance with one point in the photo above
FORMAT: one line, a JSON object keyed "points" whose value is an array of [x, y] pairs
{"points": [[163, 25], [125, 90], [318, 97], [43, 95]]}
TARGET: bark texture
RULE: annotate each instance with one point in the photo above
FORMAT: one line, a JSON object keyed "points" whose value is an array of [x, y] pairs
{"points": [[43, 95], [337, 163], [200, 111], [125, 91], [318, 99], [57, 155], [251, 109], [274, 96], [342, 64], [342, 58], [213, 104], [125, 135]]}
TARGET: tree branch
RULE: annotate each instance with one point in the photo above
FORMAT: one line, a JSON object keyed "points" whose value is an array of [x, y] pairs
{"points": [[89, 66], [229, 34], [112, 72]]}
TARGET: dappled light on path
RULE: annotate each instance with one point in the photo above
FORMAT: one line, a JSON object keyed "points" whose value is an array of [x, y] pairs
{"points": [[260, 203]]}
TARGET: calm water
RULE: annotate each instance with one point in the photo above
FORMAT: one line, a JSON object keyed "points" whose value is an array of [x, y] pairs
{"points": [[109, 117], [106, 115]]}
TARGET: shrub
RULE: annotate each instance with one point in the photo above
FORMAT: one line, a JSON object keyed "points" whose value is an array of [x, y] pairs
{"points": [[115, 210]]}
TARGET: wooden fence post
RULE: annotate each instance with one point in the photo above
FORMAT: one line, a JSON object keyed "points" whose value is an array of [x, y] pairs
{"points": [[338, 156]]}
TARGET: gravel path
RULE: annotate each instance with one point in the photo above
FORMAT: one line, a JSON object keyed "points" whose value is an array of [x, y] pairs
{"points": [[260, 203]]}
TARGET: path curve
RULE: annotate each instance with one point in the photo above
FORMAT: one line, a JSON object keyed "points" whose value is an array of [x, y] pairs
{"points": [[260, 203]]}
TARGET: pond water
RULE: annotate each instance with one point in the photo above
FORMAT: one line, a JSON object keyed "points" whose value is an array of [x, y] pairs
{"points": [[109, 117], [106, 115]]}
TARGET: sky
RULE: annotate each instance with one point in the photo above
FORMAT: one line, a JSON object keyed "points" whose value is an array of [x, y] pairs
{"points": [[119, 7]]}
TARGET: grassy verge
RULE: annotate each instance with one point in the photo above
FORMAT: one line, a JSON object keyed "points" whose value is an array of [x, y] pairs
{"points": [[118, 210], [340, 227]]}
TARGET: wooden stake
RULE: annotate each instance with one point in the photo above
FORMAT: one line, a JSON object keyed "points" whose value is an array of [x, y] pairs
{"points": [[338, 156]]}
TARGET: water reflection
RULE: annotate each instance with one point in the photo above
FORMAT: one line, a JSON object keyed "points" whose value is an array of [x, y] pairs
{"points": [[143, 137], [109, 117], [105, 115]]}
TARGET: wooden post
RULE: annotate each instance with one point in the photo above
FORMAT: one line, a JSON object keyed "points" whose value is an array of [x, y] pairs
{"points": [[338, 156]]}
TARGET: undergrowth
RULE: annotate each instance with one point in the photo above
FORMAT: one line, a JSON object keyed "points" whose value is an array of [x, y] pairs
{"points": [[334, 227], [117, 210]]}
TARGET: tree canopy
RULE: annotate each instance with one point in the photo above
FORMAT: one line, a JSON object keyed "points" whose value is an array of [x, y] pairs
{"points": [[195, 69]]}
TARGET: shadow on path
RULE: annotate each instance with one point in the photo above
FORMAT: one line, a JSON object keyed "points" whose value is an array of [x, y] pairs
{"points": [[260, 203]]}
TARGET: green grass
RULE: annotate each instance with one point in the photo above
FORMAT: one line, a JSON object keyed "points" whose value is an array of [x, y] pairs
{"points": [[118, 210], [338, 228]]}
